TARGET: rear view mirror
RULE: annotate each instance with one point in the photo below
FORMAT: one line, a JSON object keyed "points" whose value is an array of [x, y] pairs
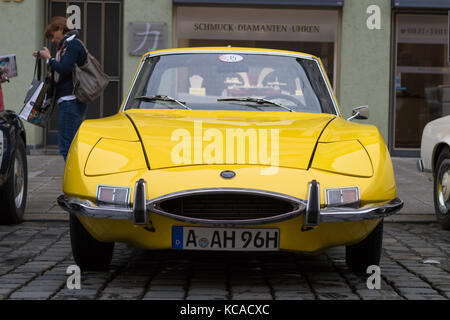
{"points": [[361, 113]]}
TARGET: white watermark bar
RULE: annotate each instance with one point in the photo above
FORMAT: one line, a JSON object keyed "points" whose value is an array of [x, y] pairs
{"points": [[242, 146]]}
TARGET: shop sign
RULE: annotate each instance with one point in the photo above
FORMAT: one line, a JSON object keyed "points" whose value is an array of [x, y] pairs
{"points": [[256, 24], [146, 36], [420, 28]]}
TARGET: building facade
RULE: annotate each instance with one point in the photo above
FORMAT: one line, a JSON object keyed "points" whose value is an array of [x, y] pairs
{"points": [[389, 54]]}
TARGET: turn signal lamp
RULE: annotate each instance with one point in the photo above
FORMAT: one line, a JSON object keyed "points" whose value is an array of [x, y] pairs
{"points": [[113, 195], [348, 196]]}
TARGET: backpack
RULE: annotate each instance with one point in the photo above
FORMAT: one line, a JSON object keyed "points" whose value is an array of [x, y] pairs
{"points": [[89, 80]]}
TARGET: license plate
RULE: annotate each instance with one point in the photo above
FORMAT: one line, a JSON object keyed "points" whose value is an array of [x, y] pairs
{"points": [[225, 239]]}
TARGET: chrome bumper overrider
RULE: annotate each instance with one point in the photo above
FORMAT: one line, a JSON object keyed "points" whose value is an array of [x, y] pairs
{"points": [[311, 208], [420, 165]]}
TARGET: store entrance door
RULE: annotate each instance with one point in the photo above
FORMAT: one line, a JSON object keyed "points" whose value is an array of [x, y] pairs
{"points": [[422, 78], [101, 31]]}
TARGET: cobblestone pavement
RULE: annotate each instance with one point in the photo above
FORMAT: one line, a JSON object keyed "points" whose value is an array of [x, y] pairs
{"points": [[34, 258], [35, 255]]}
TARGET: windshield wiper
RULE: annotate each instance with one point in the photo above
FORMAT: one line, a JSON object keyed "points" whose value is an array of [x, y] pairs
{"points": [[159, 97], [257, 100]]}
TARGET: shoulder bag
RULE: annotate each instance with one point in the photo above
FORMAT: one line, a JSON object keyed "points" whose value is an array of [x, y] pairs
{"points": [[89, 80]]}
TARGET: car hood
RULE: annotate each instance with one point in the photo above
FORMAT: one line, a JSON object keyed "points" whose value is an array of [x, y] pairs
{"points": [[193, 137]]}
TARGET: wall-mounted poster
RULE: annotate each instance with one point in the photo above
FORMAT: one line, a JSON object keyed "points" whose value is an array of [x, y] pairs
{"points": [[8, 64]]}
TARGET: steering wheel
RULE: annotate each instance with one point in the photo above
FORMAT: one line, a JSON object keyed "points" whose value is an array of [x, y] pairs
{"points": [[297, 102]]}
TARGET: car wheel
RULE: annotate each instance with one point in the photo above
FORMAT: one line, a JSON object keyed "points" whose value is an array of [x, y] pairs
{"points": [[89, 253], [441, 189], [367, 252], [13, 194]]}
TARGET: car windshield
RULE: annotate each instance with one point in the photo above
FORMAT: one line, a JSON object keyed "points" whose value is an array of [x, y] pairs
{"points": [[231, 81]]}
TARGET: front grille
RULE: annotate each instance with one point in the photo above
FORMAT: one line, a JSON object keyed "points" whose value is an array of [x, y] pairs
{"points": [[231, 205]]}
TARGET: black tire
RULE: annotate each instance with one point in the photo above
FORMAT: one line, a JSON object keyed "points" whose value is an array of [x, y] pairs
{"points": [[441, 189], [89, 253], [13, 194], [367, 252]]}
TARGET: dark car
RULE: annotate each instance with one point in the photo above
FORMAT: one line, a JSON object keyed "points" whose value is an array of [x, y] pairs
{"points": [[13, 168]]}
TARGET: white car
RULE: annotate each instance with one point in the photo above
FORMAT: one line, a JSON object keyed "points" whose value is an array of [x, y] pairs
{"points": [[435, 159]]}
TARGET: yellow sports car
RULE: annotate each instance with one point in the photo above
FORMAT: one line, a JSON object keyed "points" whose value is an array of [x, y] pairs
{"points": [[230, 149]]}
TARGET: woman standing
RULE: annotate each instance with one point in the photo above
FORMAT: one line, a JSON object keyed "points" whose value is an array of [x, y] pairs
{"points": [[69, 51]]}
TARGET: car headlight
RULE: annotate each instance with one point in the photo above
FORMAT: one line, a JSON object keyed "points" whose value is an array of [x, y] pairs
{"points": [[113, 156], [343, 157]]}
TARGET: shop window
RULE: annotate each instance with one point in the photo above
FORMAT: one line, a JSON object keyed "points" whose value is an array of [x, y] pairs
{"points": [[422, 76]]}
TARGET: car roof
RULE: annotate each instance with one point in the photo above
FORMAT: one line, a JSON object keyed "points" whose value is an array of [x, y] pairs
{"points": [[231, 50]]}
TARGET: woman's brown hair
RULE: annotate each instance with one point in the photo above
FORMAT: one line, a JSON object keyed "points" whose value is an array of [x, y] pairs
{"points": [[56, 24]]}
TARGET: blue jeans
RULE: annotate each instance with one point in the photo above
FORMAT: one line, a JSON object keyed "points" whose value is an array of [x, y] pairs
{"points": [[70, 116]]}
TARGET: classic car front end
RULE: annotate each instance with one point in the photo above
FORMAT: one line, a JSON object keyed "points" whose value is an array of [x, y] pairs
{"points": [[13, 168], [435, 161], [228, 149]]}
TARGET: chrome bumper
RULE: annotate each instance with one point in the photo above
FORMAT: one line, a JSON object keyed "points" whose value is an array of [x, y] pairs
{"points": [[314, 214], [368, 212], [89, 209]]}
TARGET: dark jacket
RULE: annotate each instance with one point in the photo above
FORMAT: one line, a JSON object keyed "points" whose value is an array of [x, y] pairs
{"points": [[72, 52]]}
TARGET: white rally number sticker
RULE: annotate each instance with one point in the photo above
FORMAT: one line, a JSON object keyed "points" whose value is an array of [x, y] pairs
{"points": [[231, 58]]}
